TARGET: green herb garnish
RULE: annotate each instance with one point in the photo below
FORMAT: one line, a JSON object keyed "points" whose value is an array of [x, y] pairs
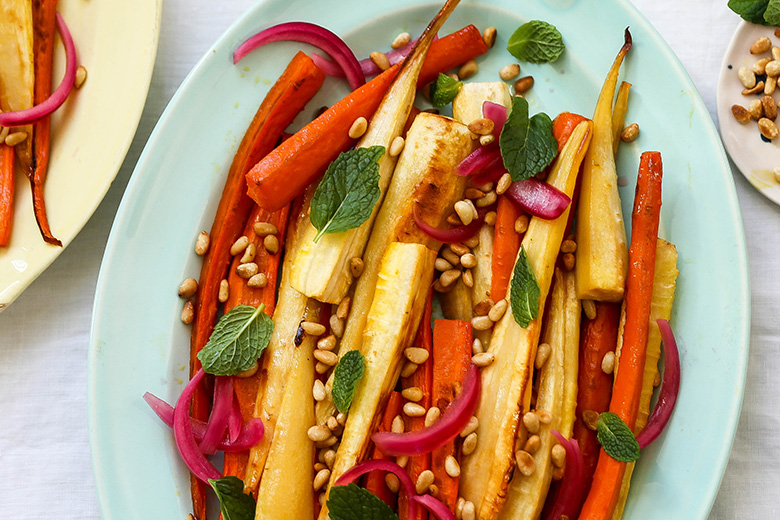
{"points": [[346, 377], [524, 291], [351, 502], [536, 41], [752, 10], [527, 145], [444, 90], [237, 342], [616, 438], [234, 504]]}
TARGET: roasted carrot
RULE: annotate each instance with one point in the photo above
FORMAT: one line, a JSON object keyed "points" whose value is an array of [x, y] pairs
{"points": [[506, 244], [6, 193], [44, 21], [284, 173], [240, 293], [375, 481], [563, 125], [608, 477], [297, 85], [422, 379], [451, 361], [594, 387]]}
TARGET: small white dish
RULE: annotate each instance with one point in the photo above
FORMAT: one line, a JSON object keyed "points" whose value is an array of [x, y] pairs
{"points": [[754, 156]]}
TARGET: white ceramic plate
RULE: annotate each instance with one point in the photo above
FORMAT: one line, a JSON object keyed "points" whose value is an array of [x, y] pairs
{"points": [[755, 157], [139, 344], [91, 132]]}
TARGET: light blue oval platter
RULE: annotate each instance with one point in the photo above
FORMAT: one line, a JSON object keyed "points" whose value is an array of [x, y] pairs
{"points": [[139, 344]]}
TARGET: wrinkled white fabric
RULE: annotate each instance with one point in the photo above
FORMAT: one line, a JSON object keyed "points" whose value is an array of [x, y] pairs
{"points": [[44, 451]]}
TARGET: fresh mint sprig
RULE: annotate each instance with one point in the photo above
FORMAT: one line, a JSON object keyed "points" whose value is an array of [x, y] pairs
{"points": [[524, 291], [536, 42], [233, 503], [616, 438], [527, 144], [237, 342], [444, 90], [346, 377], [351, 502]]}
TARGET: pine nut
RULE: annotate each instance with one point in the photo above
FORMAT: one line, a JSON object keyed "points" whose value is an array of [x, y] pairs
{"points": [[531, 422], [482, 126], [453, 76], [484, 359], [568, 246], [442, 265], [416, 355], [188, 312], [476, 347], [332, 424], [318, 433], [503, 184], [508, 72], [263, 229], [776, 53], [319, 465], [533, 444], [432, 415], [321, 478], [258, 281], [470, 427], [468, 69], [468, 260], [341, 417], [482, 308], [81, 77], [759, 67], [524, 84], [318, 390], [356, 266], [468, 278], [542, 355], [450, 256], [498, 310], [380, 60], [188, 288], [459, 249], [463, 209], [558, 454], [469, 511], [490, 218], [336, 326], [326, 356], [15, 138], [329, 458], [249, 253], [770, 86], [568, 261], [545, 417], [489, 198], [589, 306], [447, 278], [343, 309], [392, 482], [451, 466], [401, 40], [473, 193], [469, 444], [413, 393], [247, 270], [271, 244], [770, 107], [402, 460], [748, 77], [756, 109], [459, 508], [424, 481], [521, 224], [525, 463], [453, 219], [202, 243], [760, 45], [397, 425], [591, 419], [396, 146], [239, 245], [409, 368], [321, 368], [489, 36], [481, 322], [740, 113], [313, 329], [321, 498], [224, 291], [327, 343], [755, 90], [630, 133], [413, 409], [608, 362], [772, 69]]}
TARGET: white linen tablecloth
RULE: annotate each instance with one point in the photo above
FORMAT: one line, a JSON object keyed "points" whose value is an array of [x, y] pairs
{"points": [[45, 466]]}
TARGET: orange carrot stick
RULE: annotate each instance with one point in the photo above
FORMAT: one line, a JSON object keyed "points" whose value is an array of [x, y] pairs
{"points": [[6, 193], [608, 478], [422, 378], [451, 361], [563, 125], [299, 161], [44, 21], [506, 244], [375, 481], [297, 85], [594, 387]]}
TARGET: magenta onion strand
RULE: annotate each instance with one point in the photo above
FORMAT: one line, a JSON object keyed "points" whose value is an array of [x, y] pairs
{"points": [[482, 158], [496, 113], [435, 506], [220, 413], [538, 198], [190, 453], [571, 492], [234, 421], [449, 236]]}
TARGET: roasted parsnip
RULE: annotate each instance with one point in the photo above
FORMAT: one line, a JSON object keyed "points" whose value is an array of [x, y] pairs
{"points": [[506, 383], [602, 253], [404, 280], [322, 267], [571, 354]]}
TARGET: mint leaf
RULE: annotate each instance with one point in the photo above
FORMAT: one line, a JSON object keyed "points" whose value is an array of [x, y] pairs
{"points": [[524, 291], [444, 90], [772, 13], [616, 438], [351, 502], [750, 10], [527, 145], [237, 342], [346, 377], [349, 191], [234, 504], [536, 41]]}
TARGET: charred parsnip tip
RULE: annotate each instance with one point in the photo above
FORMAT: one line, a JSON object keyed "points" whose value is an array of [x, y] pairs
{"points": [[602, 253], [403, 283], [506, 383], [322, 267], [424, 178]]}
